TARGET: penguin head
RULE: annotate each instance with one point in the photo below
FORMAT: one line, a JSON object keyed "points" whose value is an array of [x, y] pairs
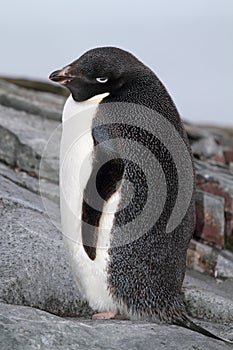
{"points": [[100, 70]]}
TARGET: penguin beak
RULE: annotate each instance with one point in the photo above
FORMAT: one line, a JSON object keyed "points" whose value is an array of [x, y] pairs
{"points": [[62, 76]]}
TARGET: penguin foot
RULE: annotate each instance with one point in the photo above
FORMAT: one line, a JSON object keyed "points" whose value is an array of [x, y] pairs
{"points": [[105, 315]]}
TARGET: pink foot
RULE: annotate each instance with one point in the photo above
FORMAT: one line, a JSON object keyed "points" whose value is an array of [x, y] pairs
{"points": [[105, 315]]}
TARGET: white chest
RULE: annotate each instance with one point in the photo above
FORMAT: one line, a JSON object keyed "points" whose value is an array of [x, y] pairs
{"points": [[75, 169]]}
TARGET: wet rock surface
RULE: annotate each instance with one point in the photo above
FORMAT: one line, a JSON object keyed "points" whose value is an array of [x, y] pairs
{"points": [[35, 272]]}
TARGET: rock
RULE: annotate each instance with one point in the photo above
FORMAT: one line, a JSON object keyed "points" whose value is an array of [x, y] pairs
{"points": [[204, 143], [228, 155], [223, 136], [10, 192], [35, 269], [202, 257], [217, 158], [220, 136], [211, 143], [23, 138], [210, 219], [27, 329], [224, 265], [207, 298], [231, 167], [195, 133], [36, 85], [40, 103], [217, 180], [206, 147], [211, 260], [45, 188]]}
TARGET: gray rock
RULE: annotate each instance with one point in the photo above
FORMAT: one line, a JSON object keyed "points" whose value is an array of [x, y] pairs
{"points": [[36, 85], [12, 193], [206, 141], [231, 167], [38, 103], [35, 269], [209, 299], [223, 136], [23, 139], [25, 328], [206, 147], [213, 172], [208, 259], [21, 178], [195, 133], [224, 266]]}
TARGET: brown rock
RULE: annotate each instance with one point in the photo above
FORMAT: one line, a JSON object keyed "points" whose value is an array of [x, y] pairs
{"points": [[218, 180], [218, 158], [228, 155], [210, 221], [216, 189]]}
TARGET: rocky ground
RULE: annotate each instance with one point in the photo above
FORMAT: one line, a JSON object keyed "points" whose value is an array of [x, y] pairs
{"points": [[40, 306]]}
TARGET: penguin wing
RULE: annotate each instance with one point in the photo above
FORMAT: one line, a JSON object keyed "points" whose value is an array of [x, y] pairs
{"points": [[102, 184]]}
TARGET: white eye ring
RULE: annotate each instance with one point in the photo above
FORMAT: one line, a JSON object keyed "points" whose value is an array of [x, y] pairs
{"points": [[102, 80]]}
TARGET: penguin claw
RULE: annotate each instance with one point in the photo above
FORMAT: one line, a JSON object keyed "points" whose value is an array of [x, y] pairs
{"points": [[105, 315]]}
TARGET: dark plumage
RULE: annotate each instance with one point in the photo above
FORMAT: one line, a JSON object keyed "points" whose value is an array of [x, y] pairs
{"points": [[145, 274]]}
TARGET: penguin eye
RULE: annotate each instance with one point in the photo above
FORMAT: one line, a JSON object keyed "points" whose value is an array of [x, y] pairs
{"points": [[102, 80]]}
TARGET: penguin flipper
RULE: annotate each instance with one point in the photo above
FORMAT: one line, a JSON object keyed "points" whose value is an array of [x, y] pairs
{"points": [[105, 181], [185, 322]]}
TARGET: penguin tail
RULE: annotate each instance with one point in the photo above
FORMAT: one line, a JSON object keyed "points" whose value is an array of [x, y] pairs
{"points": [[185, 322]]}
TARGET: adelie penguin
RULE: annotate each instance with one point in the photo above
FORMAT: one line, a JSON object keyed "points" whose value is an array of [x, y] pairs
{"points": [[127, 211]]}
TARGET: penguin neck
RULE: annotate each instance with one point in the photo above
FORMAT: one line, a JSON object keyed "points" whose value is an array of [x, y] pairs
{"points": [[71, 106]]}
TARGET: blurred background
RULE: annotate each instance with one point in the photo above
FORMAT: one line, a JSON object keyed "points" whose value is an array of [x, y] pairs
{"points": [[188, 43]]}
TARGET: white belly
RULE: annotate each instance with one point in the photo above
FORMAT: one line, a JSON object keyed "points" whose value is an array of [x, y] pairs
{"points": [[75, 169]]}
